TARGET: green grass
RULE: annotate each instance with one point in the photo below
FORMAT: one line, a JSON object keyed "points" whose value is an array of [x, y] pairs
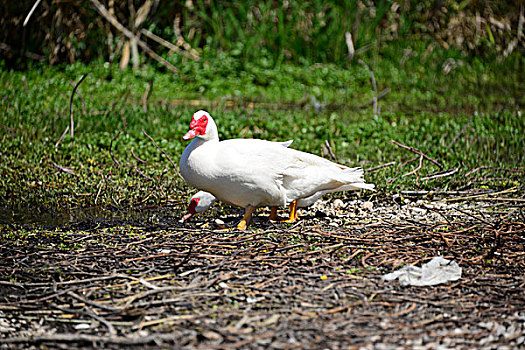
{"points": [[426, 109]]}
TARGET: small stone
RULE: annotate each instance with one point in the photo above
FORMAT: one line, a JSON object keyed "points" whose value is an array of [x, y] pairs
{"points": [[338, 204], [82, 326], [368, 205]]}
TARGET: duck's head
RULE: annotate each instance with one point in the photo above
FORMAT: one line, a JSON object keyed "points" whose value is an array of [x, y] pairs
{"points": [[202, 126], [199, 203]]}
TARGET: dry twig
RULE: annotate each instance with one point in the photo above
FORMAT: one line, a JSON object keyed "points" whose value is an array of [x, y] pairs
{"points": [[418, 152], [35, 5], [380, 167], [72, 122], [111, 19]]}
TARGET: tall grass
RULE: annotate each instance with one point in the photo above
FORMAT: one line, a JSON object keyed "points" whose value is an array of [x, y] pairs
{"points": [[312, 30]]}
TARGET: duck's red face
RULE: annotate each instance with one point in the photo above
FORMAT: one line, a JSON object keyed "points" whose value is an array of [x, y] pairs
{"points": [[199, 122], [191, 209], [193, 204]]}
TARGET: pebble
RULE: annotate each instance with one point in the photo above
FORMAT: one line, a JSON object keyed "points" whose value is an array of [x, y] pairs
{"points": [[368, 205], [338, 204]]}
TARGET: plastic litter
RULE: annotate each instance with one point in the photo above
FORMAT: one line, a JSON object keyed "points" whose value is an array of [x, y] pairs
{"points": [[436, 271]]}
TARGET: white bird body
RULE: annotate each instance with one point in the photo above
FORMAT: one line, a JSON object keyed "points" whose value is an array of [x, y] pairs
{"points": [[250, 173]]}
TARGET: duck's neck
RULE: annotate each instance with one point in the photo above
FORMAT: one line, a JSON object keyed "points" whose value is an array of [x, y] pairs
{"points": [[199, 141]]}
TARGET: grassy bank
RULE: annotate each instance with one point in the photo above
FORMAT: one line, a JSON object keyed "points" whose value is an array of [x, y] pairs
{"points": [[457, 111]]}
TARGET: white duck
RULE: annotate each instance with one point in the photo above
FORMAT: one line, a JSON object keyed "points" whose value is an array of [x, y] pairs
{"points": [[250, 173], [202, 200]]}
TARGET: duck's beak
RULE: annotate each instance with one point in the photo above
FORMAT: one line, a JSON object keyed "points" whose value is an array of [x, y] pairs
{"points": [[186, 217], [190, 134]]}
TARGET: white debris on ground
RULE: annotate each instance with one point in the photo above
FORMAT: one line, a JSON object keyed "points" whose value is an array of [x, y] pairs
{"points": [[437, 271], [401, 209]]}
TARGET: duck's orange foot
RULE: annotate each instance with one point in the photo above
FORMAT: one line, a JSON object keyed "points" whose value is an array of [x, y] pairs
{"points": [[247, 218], [242, 225], [293, 213], [289, 221]]}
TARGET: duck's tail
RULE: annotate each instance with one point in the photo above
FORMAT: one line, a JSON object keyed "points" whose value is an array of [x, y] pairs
{"points": [[352, 179]]}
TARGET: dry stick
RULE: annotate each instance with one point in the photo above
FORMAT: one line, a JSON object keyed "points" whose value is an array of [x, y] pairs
{"points": [[110, 327], [380, 167], [137, 158], [145, 97], [166, 43], [402, 165], [446, 173], [476, 169], [64, 169], [62, 137], [111, 19], [473, 216], [379, 96], [418, 152], [349, 45], [417, 168], [72, 126], [31, 12], [181, 41], [332, 154], [111, 145], [136, 168], [167, 156], [72, 83], [374, 85], [92, 303]]}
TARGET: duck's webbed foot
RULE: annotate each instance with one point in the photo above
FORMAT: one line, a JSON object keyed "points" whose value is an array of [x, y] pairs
{"points": [[293, 213], [247, 218]]}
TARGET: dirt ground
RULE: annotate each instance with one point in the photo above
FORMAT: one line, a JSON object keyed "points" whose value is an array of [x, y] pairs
{"points": [[156, 283]]}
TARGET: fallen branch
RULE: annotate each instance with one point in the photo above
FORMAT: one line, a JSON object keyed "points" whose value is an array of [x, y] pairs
{"points": [[476, 169], [442, 174], [404, 164], [380, 167], [417, 168], [72, 125], [418, 152], [181, 41], [329, 149], [64, 169], [167, 44], [137, 158], [111, 19], [481, 196]]}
